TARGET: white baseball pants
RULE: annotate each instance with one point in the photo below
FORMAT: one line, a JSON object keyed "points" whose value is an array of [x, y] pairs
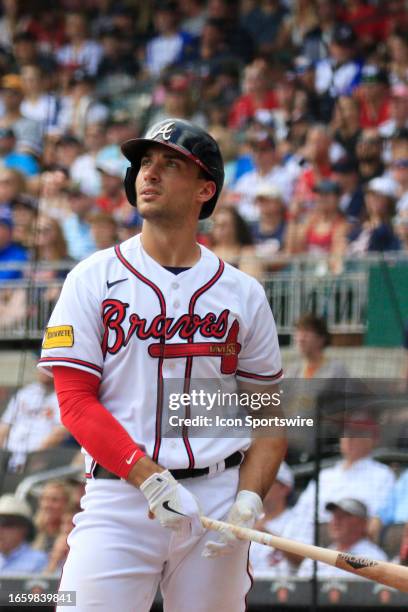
{"points": [[118, 556]]}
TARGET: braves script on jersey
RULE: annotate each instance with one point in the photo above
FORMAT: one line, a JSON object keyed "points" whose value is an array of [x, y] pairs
{"points": [[125, 318]]}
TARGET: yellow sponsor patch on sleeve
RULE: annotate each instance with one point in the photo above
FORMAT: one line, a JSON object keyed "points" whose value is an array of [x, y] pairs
{"points": [[58, 337]]}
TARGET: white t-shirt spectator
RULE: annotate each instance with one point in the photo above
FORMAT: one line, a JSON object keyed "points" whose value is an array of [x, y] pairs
{"points": [[32, 414], [83, 172], [249, 183], [367, 480], [337, 81], [87, 57], [162, 51]]}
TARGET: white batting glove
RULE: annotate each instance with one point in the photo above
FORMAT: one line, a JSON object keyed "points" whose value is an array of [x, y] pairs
{"points": [[245, 512], [172, 504]]}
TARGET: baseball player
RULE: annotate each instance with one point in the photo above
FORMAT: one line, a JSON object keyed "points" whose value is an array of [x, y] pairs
{"points": [[155, 308]]}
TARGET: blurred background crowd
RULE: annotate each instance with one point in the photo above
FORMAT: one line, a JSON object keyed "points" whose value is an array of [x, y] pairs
{"points": [[308, 100]]}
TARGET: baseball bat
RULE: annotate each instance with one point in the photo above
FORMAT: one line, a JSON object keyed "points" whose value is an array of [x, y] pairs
{"points": [[390, 574]]}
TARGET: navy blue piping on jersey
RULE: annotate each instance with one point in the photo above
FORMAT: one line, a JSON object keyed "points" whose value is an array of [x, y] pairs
{"points": [[189, 362], [162, 301]]}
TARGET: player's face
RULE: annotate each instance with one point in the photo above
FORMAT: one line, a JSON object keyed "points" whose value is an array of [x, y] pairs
{"points": [[169, 186]]}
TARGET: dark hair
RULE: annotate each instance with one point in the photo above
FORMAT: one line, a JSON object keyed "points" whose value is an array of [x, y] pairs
{"points": [[241, 227], [315, 324]]}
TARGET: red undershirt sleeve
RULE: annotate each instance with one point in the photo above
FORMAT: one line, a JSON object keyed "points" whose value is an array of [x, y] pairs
{"points": [[91, 424]]}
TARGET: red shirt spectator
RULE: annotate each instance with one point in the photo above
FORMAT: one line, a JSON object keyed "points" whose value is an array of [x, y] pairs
{"points": [[257, 95], [374, 97], [365, 20]]}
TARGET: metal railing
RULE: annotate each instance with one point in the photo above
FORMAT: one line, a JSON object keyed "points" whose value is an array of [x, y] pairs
{"points": [[297, 285]]}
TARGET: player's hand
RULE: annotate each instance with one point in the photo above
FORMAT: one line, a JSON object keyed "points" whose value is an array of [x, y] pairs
{"points": [[172, 504], [245, 512]]}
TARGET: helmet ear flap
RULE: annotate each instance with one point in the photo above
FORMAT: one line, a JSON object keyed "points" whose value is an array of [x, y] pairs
{"points": [[129, 184]]}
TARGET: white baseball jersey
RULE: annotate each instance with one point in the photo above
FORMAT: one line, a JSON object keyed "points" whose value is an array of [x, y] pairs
{"points": [[125, 318], [32, 414]]}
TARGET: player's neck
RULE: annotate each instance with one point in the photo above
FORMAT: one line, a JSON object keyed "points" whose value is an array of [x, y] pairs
{"points": [[175, 247]]}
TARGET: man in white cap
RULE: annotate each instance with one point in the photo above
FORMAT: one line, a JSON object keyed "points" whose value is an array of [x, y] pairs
{"points": [[348, 532], [269, 230], [270, 562], [16, 531]]}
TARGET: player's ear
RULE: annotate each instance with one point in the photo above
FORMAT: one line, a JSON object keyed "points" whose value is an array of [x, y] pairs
{"points": [[207, 191]]}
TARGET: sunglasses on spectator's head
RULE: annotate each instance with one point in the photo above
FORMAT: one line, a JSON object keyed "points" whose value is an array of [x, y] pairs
{"points": [[400, 163]]}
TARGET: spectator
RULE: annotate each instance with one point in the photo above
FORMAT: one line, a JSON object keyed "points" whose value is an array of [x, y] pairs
{"points": [[178, 102], [369, 155], [324, 231], [80, 107], [104, 230], [401, 223], [257, 98], [269, 231], [7, 143], [267, 170], [12, 258], [348, 532], [53, 264], [312, 339], [230, 239], [377, 233], [17, 557], [112, 199], [356, 475], [315, 44], [366, 21], [12, 183], [68, 148], [60, 548], [46, 24], [54, 199], [399, 169], [116, 60], [398, 112], [346, 124], [303, 20], [26, 52], [55, 500], [171, 45], [25, 159], [83, 170], [81, 52], [38, 104], [351, 203], [237, 37], [398, 49], [129, 226], [265, 24], [318, 167], [31, 421], [193, 16], [339, 73], [76, 228], [24, 209], [374, 97], [395, 509], [9, 251], [26, 130]]}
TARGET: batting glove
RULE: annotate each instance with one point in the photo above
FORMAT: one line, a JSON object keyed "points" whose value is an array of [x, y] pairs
{"points": [[172, 504], [245, 512]]}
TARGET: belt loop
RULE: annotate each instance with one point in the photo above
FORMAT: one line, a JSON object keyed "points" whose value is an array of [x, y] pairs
{"points": [[220, 466]]}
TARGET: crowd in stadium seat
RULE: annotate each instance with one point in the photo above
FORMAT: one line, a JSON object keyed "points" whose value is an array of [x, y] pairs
{"points": [[308, 100]]}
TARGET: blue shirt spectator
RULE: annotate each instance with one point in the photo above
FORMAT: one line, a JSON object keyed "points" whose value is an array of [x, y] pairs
{"points": [[23, 560], [9, 252], [395, 509], [16, 531]]}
